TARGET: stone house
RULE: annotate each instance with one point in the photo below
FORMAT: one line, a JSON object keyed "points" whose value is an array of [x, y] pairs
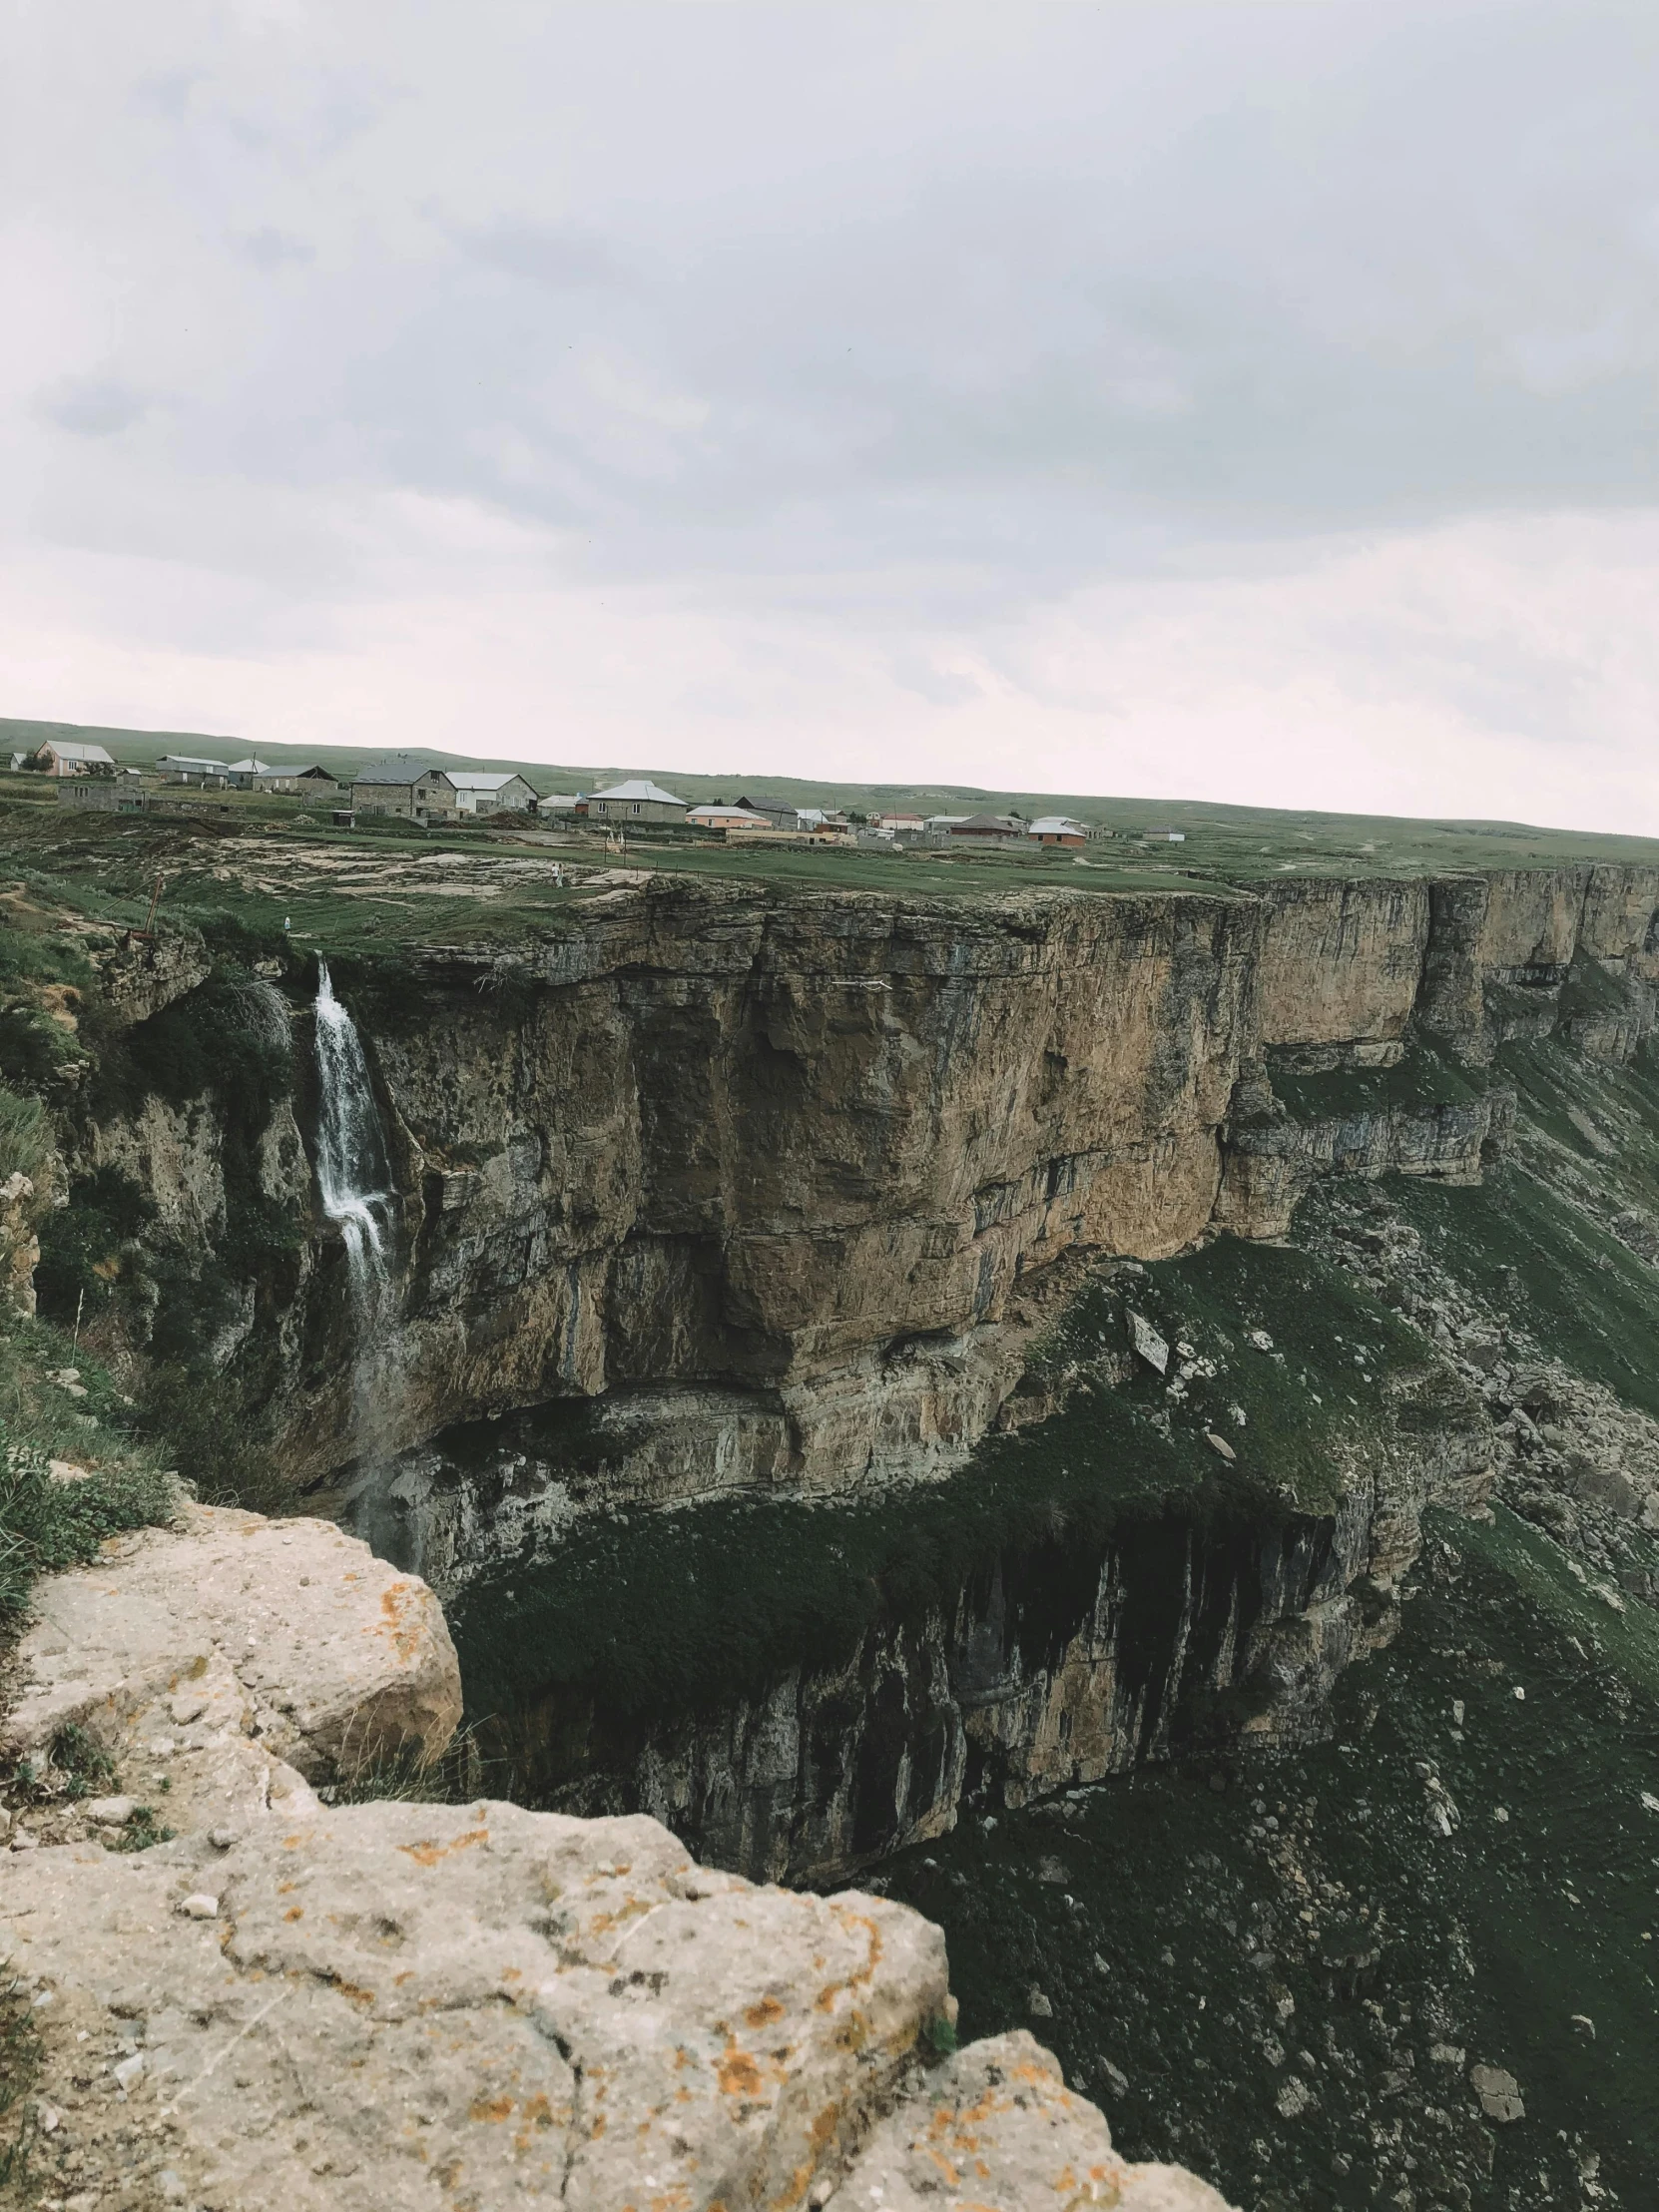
{"points": [[407, 788], [627, 806]]}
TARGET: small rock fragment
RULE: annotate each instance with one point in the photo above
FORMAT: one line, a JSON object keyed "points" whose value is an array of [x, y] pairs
{"points": [[110, 1812], [130, 2071], [199, 1907], [1147, 1342], [1218, 1444], [1499, 2093], [223, 1838], [1038, 2005]]}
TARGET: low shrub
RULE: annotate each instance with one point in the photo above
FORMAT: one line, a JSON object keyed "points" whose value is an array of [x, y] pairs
{"points": [[46, 1525]]}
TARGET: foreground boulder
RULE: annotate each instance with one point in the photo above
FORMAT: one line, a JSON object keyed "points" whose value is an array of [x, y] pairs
{"points": [[405, 2005], [235, 1659]]}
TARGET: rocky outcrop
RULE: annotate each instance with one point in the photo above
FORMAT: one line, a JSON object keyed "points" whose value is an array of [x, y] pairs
{"points": [[405, 2003], [140, 975], [19, 1243], [1273, 1157], [238, 1657], [996, 2119], [413, 2004]]}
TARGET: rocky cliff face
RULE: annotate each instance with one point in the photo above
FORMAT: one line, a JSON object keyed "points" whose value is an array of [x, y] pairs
{"points": [[820, 1149]]}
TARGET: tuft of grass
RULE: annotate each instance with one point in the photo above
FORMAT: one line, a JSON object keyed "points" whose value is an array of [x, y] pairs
{"points": [[46, 1525], [459, 1773], [20, 2060], [140, 1833], [25, 1135]]}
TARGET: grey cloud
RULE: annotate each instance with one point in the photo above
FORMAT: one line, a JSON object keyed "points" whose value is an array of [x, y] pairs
{"points": [[93, 406], [1011, 300], [943, 687], [272, 248], [553, 255]]}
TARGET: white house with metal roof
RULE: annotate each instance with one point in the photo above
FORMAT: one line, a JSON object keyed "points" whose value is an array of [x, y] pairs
{"points": [[491, 793], [68, 757]]}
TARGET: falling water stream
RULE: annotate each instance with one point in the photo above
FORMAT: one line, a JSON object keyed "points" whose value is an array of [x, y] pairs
{"points": [[352, 1172]]}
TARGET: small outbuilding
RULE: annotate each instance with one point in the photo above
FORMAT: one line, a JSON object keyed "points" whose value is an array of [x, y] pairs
{"points": [[985, 830], [259, 776], [192, 767], [783, 813], [105, 795], [717, 813]]}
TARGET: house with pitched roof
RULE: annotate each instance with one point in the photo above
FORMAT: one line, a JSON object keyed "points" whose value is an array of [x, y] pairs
{"points": [[403, 788], [627, 806], [68, 757], [491, 793]]}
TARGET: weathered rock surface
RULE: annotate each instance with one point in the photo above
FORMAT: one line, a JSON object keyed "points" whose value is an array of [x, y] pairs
{"points": [[1271, 1161], [236, 1655], [410, 2004], [999, 2126], [19, 1245]]}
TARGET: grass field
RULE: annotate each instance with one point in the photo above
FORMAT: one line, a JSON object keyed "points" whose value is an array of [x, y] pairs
{"points": [[1229, 843], [257, 863]]}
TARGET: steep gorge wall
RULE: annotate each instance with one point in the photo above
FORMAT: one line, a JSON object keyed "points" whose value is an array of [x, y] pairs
{"points": [[823, 1147]]}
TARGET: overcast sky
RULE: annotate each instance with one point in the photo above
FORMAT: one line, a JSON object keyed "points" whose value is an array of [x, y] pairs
{"points": [[1252, 402]]}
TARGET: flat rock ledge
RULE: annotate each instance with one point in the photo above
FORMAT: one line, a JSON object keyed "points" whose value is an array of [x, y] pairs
{"points": [[403, 2005]]}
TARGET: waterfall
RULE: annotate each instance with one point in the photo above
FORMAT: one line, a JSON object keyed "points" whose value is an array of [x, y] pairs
{"points": [[352, 1172]]}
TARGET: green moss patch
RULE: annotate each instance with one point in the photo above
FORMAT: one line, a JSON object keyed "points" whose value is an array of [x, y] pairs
{"points": [[1583, 1295], [1424, 1078]]}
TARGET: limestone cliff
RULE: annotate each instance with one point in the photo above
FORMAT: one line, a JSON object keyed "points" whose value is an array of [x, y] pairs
{"points": [[819, 1148]]}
